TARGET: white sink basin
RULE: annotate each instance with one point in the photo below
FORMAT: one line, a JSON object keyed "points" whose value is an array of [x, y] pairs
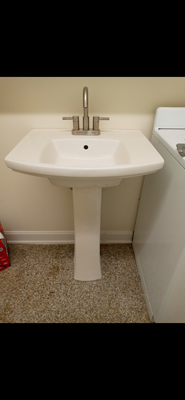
{"points": [[86, 164], [84, 161]]}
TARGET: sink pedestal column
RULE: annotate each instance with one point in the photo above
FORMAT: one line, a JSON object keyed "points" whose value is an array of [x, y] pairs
{"points": [[87, 215]]}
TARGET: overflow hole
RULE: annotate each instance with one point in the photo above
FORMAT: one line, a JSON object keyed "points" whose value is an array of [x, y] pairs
{"points": [[86, 147]]}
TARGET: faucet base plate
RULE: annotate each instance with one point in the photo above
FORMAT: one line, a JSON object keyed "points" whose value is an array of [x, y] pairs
{"points": [[90, 132]]}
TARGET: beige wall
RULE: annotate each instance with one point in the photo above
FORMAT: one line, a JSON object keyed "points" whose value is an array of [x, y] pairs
{"points": [[32, 204]]}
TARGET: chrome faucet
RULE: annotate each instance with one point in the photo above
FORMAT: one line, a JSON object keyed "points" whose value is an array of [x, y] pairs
{"points": [[85, 106], [85, 131]]}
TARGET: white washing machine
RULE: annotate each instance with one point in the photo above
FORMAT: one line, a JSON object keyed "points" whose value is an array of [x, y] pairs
{"points": [[159, 235]]}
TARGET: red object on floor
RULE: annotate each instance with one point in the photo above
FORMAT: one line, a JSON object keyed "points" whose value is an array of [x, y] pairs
{"points": [[4, 253]]}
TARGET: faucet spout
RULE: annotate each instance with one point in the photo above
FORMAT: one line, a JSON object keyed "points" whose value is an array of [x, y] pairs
{"points": [[85, 130], [85, 106], [85, 97]]}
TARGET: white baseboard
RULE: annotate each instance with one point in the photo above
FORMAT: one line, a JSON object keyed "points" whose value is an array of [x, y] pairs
{"points": [[63, 237]]}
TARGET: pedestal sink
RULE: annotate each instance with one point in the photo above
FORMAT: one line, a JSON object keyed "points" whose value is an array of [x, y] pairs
{"points": [[86, 164]]}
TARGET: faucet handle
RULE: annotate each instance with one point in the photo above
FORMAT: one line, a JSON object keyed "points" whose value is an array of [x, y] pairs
{"points": [[75, 119], [96, 122]]}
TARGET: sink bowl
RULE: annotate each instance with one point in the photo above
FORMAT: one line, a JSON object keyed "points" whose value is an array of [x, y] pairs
{"points": [[86, 164], [88, 161]]}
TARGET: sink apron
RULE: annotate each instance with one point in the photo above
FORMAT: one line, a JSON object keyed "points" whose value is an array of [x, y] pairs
{"points": [[87, 216]]}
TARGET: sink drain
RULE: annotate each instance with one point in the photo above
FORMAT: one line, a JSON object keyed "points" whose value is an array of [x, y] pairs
{"points": [[86, 147]]}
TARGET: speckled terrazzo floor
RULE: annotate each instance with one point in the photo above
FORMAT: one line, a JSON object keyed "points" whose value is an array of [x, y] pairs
{"points": [[39, 287]]}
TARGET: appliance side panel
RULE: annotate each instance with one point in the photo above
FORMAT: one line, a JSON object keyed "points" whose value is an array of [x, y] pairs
{"points": [[159, 236]]}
